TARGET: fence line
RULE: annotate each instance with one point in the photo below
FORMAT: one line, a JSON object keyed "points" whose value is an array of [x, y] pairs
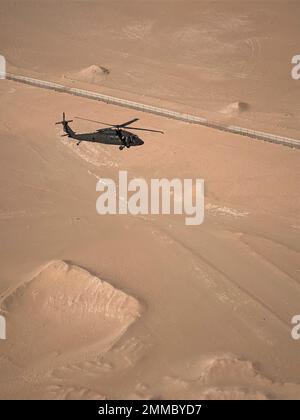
{"points": [[259, 135]]}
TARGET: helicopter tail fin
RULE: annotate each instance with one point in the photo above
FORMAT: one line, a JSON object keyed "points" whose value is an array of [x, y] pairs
{"points": [[68, 130], [64, 121]]}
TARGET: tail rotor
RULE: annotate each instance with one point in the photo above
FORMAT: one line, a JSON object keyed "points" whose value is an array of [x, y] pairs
{"points": [[64, 121]]}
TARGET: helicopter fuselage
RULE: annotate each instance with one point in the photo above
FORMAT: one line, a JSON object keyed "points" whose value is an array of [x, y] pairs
{"points": [[108, 136]]}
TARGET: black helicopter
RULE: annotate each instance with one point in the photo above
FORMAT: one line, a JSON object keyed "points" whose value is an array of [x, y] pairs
{"points": [[115, 135]]}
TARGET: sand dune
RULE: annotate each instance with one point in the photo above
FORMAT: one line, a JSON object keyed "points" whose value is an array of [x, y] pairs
{"points": [[92, 74], [61, 324], [224, 377], [64, 309], [235, 108]]}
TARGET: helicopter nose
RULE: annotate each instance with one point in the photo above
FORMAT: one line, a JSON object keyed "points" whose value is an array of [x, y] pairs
{"points": [[136, 141]]}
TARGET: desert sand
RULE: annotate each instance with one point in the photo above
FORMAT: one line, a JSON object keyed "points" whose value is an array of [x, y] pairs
{"points": [[108, 307]]}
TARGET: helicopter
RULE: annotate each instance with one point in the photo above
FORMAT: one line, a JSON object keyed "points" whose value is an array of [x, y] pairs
{"points": [[115, 135]]}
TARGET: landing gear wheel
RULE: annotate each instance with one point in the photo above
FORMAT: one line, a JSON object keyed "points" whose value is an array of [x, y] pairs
{"points": [[121, 147]]}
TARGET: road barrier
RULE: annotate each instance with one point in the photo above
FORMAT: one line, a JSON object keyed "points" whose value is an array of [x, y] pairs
{"points": [[259, 135]]}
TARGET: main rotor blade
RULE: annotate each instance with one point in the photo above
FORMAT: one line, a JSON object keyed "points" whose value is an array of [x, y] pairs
{"points": [[127, 123], [98, 122], [145, 129], [122, 125]]}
